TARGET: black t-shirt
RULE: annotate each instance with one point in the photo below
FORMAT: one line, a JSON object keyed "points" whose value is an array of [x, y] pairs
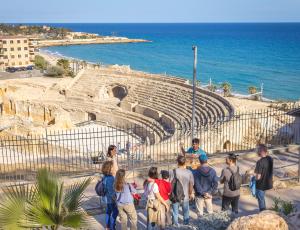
{"points": [[264, 167]]}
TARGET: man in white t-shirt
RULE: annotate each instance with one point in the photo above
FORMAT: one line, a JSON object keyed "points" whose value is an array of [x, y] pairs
{"points": [[186, 178]]}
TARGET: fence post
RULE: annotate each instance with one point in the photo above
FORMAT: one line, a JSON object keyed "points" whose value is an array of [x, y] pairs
{"points": [[299, 164]]}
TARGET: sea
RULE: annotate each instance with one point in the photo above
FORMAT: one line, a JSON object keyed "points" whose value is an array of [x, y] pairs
{"points": [[243, 54]]}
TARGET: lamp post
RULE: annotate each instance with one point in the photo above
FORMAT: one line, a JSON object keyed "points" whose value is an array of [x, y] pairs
{"points": [[194, 91]]}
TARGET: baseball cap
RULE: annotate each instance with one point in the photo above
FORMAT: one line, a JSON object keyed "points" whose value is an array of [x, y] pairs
{"points": [[203, 157]]}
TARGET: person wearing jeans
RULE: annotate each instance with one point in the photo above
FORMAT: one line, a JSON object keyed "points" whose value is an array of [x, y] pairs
{"points": [[186, 212], [186, 179], [260, 195], [206, 184], [263, 175], [111, 211]]}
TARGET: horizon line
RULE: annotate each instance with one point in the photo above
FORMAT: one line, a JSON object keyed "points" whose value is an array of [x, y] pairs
{"points": [[257, 22]]}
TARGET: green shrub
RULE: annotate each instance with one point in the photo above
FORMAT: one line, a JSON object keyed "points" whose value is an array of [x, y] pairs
{"points": [[282, 206], [287, 207], [64, 63], [40, 62], [54, 71]]}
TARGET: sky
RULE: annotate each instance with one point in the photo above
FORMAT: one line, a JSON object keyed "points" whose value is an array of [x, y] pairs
{"points": [[139, 11]]}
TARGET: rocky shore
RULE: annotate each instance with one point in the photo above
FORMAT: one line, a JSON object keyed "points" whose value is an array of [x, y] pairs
{"points": [[98, 40]]}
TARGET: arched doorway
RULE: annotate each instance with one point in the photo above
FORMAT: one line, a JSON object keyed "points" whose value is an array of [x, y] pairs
{"points": [[119, 92], [91, 117]]}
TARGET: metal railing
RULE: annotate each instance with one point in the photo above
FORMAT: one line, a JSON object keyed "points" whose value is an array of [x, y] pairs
{"points": [[82, 150]]}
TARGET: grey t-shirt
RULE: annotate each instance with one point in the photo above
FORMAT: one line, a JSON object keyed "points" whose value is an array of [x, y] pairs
{"points": [[227, 174], [185, 177]]}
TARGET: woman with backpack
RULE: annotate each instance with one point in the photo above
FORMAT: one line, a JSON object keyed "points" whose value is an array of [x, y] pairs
{"points": [[154, 200], [112, 156], [124, 198], [109, 194], [231, 179]]}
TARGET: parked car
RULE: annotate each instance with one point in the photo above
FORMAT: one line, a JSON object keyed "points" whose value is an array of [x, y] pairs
{"points": [[14, 69], [11, 69]]}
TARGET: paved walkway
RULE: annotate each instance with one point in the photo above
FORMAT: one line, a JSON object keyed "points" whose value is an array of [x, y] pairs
{"points": [[248, 205]]}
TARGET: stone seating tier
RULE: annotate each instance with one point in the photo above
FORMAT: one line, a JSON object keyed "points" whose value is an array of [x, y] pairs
{"points": [[169, 97]]}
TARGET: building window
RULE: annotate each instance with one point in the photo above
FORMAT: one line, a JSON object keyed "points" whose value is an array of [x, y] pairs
{"points": [[11, 41], [18, 41], [12, 49], [25, 41], [12, 56], [27, 63], [4, 49], [6, 64], [19, 55], [5, 57], [13, 63], [26, 55], [4, 42], [19, 49], [20, 63], [25, 48]]}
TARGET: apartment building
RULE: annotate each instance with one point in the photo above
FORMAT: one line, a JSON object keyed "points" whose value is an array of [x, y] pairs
{"points": [[16, 51]]}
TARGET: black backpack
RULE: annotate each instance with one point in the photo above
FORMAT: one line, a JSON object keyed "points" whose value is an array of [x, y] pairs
{"points": [[235, 180], [177, 193], [100, 187]]}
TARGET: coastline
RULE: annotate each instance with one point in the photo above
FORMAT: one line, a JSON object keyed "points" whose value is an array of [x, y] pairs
{"points": [[240, 103], [104, 40]]}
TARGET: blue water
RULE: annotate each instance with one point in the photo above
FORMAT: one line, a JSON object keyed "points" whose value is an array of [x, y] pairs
{"points": [[242, 54]]}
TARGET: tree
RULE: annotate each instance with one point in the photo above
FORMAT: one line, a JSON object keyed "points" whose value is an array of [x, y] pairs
{"points": [[46, 204], [64, 63], [40, 62], [54, 71], [226, 88], [252, 89]]}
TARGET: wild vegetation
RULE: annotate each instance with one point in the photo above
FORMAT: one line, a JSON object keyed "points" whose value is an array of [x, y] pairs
{"points": [[282, 206], [47, 31], [40, 62], [65, 65], [48, 204], [54, 71]]}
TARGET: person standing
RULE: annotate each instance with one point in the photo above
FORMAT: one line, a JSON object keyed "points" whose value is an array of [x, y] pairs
{"points": [[194, 149], [164, 187], [154, 200], [263, 175], [186, 179], [206, 184], [230, 197], [112, 156], [111, 206], [125, 201]]}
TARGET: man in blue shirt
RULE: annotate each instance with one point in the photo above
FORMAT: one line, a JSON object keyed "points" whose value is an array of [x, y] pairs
{"points": [[195, 149]]}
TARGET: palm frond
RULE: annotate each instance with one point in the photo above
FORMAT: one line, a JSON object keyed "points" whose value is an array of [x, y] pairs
{"points": [[13, 205], [74, 194], [76, 220]]}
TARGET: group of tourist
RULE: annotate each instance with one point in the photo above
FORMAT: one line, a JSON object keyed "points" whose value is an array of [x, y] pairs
{"points": [[164, 194]]}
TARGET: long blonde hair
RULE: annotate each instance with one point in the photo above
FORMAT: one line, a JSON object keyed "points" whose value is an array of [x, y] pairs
{"points": [[120, 180]]}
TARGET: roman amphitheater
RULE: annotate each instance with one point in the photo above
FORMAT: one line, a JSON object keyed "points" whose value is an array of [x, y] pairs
{"points": [[113, 97], [75, 119]]}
